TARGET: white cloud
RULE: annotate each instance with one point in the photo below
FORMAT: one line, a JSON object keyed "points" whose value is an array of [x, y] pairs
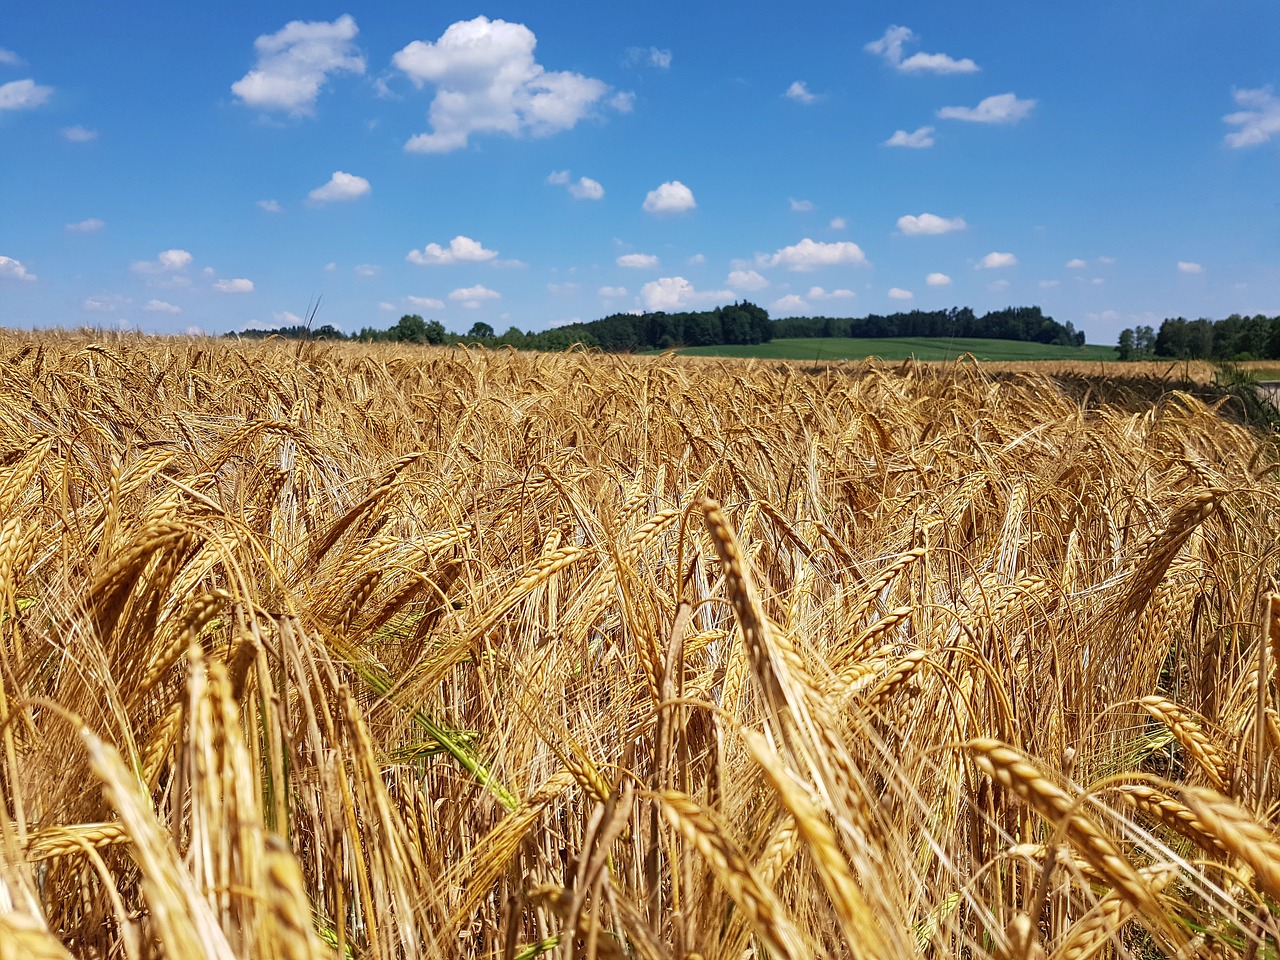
{"points": [[341, 186], [558, 177], [78, 134], [801, 206], [838, 223], [1001, 108], [460, 250], [424, 303], [10, 59], [238, 285], [1097, 281], [919, 140], [161, 306], [105, 303], [487, 81], [623, 101], [938, 280], [998, 286], [791, 303], [1075, 263], [1107, 261], [563, 289], [23, 95], [653, 57], [330, 267], [11, 269], [890, 47], [929, 224], [812, 255], [994, 261], [1049, 284], [294, 63], [366, 269], [799, 92], [1186, 266], [1258, 122], [677, 293], [387, 307], [169, 261], [287, 317], [586, 189], [670, 197], [271, 206], [697, 260], [746, 280], [637, 261], [86, 226], [612, 292], [471, 297], [897, 293], [817, 293]]}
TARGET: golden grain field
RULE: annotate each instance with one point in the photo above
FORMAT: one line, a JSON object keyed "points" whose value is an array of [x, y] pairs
{"points": [[348, 651]]}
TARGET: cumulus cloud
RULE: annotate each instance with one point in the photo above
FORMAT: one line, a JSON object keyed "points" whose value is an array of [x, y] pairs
{"points": [[919, 140], [1001, 108], [471, 297], [86, 226], [929, 224], [677, 293], [78, 134], [287, 317], [670, 197], [487, 81], [271, 206], [890, 47], [637, 261], [994, 261], [9, 59], [341, 187], [697, 260], [237, 285], [11, 269], [651, 56], [791, 303], [799, 91], [1186, 266], [612, 292], [897, 293], [938, 280], [295, 62], [1259, 121], [812, 255], [801, 206], [23, 95], [838, 223], [746, 280], [817, 293], [161, 306], [168, 261], [105, 303], [583, 189], [1075, 263], [424, 303], [460, 250]]}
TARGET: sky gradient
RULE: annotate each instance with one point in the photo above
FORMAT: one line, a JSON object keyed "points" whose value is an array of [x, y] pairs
{"points": [[219, 166]]}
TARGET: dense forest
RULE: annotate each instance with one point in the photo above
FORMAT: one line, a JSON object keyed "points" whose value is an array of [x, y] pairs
{"points": [[739, 323], [1235, 338]]}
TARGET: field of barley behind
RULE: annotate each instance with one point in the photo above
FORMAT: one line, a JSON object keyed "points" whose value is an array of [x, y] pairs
{"points": [[349, 651]]}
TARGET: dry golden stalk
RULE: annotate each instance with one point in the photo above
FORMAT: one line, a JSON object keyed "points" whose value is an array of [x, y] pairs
{"points": [[23, 937], [66, 840], [1160, 806], [1227, 823], [1101, 924], [1187, 731], [766, 915], [1012, 770]]}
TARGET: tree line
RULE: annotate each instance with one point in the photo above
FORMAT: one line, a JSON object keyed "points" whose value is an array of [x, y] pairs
{"points": [[1236, 337], [743, 322], [1011, 323]]}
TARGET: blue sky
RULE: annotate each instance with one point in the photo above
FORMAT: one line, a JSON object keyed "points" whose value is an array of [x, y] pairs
{"points": [[218, 166]]}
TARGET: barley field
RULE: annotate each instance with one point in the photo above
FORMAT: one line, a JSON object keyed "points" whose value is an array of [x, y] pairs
{"points": [[374, 652]]}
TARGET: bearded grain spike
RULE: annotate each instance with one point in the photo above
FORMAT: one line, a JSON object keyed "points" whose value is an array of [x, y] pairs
{"points": [[1188, 732]]}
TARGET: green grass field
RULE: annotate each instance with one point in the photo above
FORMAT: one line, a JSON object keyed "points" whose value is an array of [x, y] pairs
{"points": [[900, 348]]}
